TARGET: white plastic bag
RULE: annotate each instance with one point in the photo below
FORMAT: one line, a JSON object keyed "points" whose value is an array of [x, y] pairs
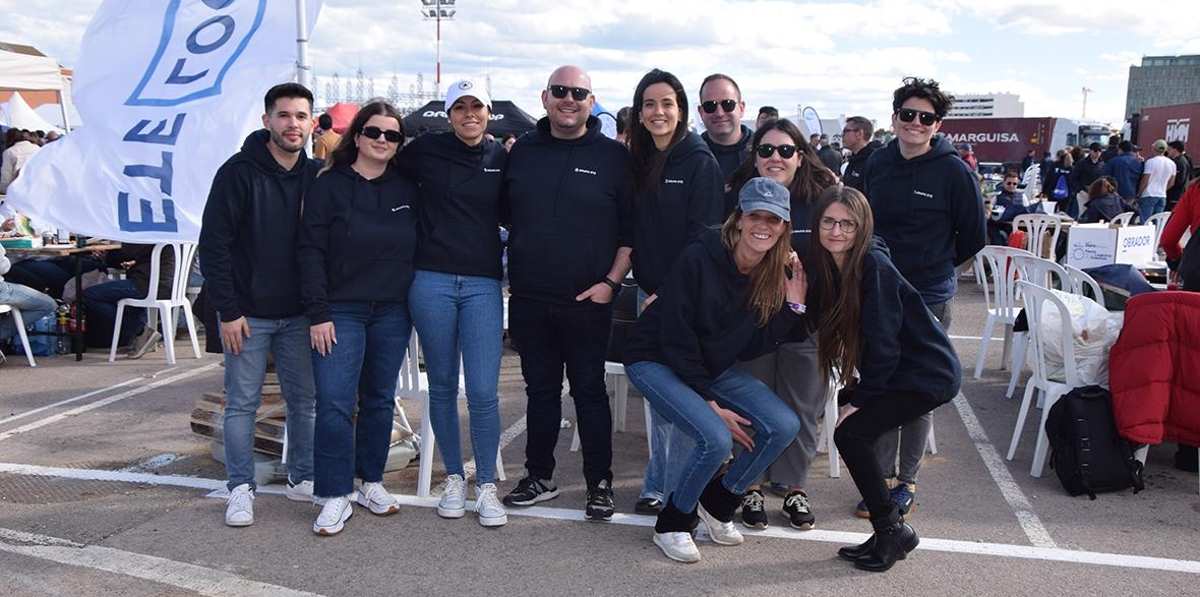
{"points": [[1094, 330]]}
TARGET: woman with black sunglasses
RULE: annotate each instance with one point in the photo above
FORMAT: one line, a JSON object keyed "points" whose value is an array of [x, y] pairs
{"points": [[779, 152], [357, 239], [678, 193]]}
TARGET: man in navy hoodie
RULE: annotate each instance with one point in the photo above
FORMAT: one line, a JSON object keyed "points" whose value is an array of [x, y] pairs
{"points": [[929, 210], [721, 109], [567, 196], [248, 248]]}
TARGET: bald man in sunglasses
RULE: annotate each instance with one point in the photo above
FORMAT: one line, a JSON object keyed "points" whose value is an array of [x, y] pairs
{"points": [[929, 210]]}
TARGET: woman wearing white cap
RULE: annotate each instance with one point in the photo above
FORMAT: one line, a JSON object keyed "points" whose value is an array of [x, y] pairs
{"points": [[736, 292], [455, 296]]}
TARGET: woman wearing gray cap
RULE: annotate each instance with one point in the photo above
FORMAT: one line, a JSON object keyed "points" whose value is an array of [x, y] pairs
{"points": [[734, 293]]}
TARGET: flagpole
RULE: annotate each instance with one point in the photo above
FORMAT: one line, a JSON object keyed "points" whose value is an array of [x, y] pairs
{"points": [[303, 70]]}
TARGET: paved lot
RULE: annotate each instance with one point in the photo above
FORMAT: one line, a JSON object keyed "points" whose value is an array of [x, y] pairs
{"points": [[106, 491]]}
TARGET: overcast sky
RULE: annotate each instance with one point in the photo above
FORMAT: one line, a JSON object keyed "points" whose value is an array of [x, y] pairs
{"points": [[842, 58]]}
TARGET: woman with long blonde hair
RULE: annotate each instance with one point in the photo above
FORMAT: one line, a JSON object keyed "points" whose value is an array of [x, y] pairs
{"points": [[733, 293]]}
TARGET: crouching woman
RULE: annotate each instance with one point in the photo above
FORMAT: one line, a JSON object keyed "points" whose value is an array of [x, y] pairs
{"points": [[734, 293], [871, 320]]}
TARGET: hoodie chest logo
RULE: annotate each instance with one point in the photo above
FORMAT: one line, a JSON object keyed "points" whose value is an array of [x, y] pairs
{"points": [[491, 170], [923, 194], [672, 181], [588, 172]]}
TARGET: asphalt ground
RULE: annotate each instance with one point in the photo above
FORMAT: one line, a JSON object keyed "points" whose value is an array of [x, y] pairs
{"points": [[105, 491]]}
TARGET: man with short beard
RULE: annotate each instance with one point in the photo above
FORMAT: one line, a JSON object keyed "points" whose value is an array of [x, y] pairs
{"points": [[247, 245], [857, 137]]}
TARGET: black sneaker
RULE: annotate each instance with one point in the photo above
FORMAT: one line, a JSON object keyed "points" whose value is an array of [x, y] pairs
{"points": [[754, 515], [799, 513], [600, 501], [648, 506], [530, 491]]}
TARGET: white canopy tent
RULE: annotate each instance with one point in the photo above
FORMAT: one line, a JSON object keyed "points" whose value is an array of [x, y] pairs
{"points": [[17, 113], [23, 71]]}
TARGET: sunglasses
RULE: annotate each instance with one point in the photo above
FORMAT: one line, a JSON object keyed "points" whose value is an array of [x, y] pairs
{"points": [[726, 105], [577, 93], [847, 226], [927, 118], [766, 150], [848, 131], [374, 132], [1010, 184]]}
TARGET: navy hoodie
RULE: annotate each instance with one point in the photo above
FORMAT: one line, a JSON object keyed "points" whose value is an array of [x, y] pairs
{"points": [[689, 198], [248, 235], [904, 348], [730, 156], [1104, 208], [458, 216], [568, 203], [357, 240], [701, 323], [857, 163], [928, 209]]}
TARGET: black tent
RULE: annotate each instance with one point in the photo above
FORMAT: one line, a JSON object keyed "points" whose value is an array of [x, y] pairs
{"points": [[506, 118]]}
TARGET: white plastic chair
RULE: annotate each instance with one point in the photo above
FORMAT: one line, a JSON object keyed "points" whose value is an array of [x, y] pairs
{"points": [[167, 307], [413, 385], [1036, 227], [20, 323], [1124, 218], [1083, 284], [1000, 296], [1159, 221], [1036, 299], [1044, 273]]}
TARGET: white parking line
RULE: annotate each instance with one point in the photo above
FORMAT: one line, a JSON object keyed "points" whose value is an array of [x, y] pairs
{"points": [[204, 581], [107, 401], [1038, 535], [1003, 550], [82, 396]]}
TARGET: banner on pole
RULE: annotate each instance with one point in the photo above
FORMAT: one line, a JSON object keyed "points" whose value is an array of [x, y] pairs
{"points": [[168, 91]]}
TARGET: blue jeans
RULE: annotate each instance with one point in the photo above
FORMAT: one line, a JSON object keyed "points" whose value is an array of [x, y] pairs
{"points": [[461, 317], [287, 340], [371, 340], [100, 304], [666, 447], [32, 304], [774, 426], [1150, 206]]}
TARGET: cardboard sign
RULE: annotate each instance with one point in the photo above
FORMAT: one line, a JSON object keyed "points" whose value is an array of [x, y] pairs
{"points": [[1093, 245]]}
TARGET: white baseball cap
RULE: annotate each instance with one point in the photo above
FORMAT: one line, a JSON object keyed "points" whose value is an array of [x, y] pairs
{"points": [[466, 88]]}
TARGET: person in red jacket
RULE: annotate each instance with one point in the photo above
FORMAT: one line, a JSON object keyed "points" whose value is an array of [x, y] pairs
{"points": [[1185, 216]]}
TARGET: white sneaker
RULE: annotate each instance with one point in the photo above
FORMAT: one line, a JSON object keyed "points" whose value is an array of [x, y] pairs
{"points": [[333, 516], [678, 546], [722, 533], [299, 492], [375, 498], [239, 512], [454, 498], [488, 507]]}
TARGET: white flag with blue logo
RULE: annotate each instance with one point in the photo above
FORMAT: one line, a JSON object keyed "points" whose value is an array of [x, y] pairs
{"points": [[168, 90]]}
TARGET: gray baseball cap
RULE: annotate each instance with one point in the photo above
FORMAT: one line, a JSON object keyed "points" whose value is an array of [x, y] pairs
{"points": [[764, 194]]}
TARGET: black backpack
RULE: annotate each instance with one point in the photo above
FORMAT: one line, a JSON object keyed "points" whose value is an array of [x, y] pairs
{"points": [[1086, 451]]}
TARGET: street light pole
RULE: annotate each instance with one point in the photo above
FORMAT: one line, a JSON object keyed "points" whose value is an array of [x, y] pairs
{"points": [[436, 10]]}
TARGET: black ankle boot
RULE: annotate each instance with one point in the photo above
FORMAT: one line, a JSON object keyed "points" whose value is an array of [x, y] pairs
{"points": [[721, 503], [858, 551], [892, 543], [672, 520]]}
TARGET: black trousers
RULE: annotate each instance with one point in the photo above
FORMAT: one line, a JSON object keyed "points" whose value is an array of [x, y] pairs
{"points": [[856, 438], [549, 338]]}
